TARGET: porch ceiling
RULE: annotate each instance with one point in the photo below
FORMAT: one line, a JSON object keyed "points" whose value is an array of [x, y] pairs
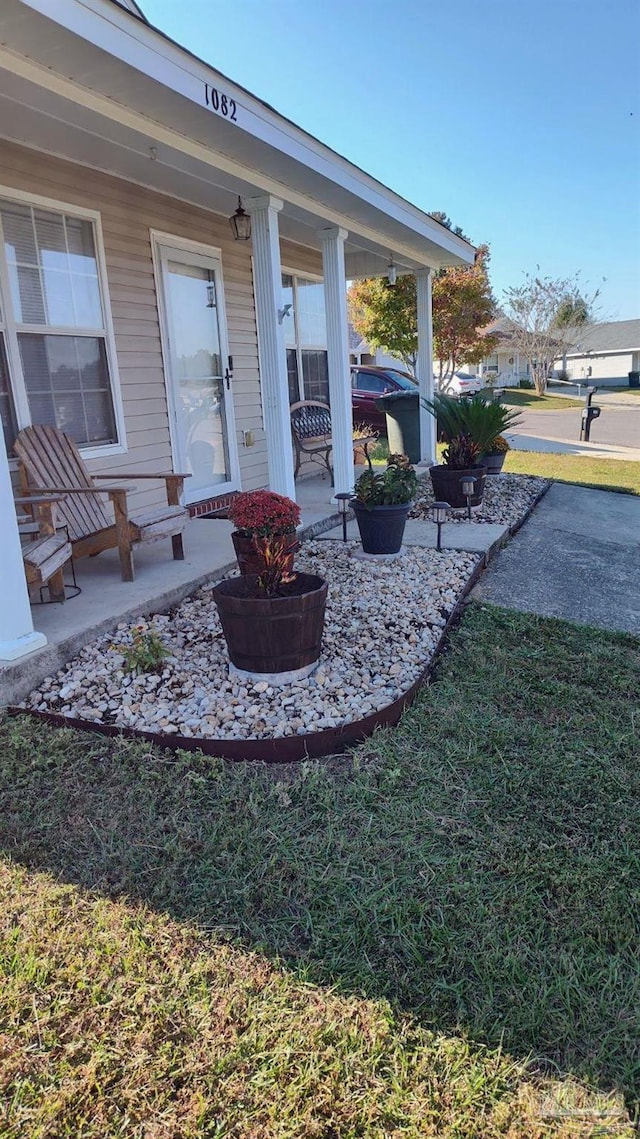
{"points": [[108, 106]]}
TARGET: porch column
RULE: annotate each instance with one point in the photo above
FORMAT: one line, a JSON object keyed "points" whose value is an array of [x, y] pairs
{"points": [[424, 367], [335, 299], [17, 636], [267, 274]]}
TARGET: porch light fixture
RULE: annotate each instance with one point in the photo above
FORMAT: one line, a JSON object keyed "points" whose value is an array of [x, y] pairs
{"points": [[343, 499], [240, 223], [392, 272], [468, 486], [211, 295], [439, 511]]}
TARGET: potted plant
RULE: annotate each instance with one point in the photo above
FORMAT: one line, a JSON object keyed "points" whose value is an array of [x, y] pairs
{"points": [[480, 419], [461, 463], [260, 516], [494, 459], [381, 504], [273, 621]]}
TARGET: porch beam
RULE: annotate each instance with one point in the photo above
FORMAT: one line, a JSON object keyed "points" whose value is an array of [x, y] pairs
{"points": [[335, 297], [424, 366], [17, 636], [267, 274]]}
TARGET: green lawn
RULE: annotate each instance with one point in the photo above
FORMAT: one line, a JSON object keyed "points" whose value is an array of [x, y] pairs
{"points": [[527, 399], [605, 474], [438, 938]]}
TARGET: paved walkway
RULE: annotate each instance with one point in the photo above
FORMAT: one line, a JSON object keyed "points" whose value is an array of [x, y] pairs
{"points": [[577, 557], [473, 537]]}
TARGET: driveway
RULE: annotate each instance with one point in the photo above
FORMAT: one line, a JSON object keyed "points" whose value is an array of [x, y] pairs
{"points": [[577, 557]]}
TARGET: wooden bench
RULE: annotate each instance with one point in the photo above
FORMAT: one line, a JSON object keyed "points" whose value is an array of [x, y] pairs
{"points": [[311, 433], [50, 463], [46, 555]]}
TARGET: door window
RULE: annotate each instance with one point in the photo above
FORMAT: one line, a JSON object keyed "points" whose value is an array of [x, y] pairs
{"points": [[197, 365]]}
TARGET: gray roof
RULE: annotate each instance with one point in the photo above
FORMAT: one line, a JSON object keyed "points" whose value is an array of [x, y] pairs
{"points": [[612, 336], [355, 339]]}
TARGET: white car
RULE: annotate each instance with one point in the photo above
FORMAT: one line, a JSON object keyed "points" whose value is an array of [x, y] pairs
{"points": [[461, 383]]}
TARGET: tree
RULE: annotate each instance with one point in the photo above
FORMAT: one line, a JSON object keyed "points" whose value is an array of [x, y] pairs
{"points": [[386, 317], [546, 314]]}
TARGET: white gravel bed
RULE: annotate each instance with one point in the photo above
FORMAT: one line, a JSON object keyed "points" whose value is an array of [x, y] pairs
{"points": [[383, 622], [506, 499]]}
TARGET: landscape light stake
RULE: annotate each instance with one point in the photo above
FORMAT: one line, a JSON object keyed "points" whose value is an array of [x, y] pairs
{"points": [[343, 499], [439, 511], [468, 486]]}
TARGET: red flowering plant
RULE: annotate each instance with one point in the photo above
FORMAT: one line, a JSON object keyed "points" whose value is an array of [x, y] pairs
{"points": [[264, 514]]}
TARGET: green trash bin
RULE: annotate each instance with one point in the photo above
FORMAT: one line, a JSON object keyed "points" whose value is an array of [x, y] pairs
{"points": [[402, 410]]}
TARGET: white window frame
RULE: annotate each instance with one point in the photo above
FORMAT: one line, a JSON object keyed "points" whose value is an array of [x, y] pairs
{"points": [[14, 360], [296, 274]]}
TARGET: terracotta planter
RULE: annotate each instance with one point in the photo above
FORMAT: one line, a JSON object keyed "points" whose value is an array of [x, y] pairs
{"points": [[447, 485], [272, 634], [251, 561], [493, 461], [381, 527]]}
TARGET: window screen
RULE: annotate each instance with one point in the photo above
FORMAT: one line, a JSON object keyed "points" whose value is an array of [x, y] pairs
{"points": [[56, 307]]}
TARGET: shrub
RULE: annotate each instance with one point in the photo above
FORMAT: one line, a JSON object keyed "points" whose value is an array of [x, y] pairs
{"points": [[264, 514], [146, 652], [461, 454], [393, 487], [480, 420]]}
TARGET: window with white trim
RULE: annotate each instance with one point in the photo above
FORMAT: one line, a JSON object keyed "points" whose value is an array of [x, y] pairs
{"points": [[306, 339], [52, 315]]}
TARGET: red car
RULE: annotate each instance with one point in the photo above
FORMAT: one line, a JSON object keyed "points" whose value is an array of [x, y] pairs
{"points": [[368, 384]]}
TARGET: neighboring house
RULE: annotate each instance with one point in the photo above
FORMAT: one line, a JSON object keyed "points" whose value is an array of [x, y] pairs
{"points": [[505, 365], [605, 352], [129, 315], [362, 353]]}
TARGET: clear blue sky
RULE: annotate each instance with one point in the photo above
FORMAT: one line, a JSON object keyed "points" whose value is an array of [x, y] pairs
{"points": [[519, 120]]}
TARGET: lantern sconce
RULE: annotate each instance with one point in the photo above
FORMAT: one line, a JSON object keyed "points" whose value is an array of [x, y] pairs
{"points": [[392, 272], [240, 223]]}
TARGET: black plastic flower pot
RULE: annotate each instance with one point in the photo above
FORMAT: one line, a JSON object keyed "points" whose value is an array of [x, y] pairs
{"points": [[381, 527], [447, 485]]}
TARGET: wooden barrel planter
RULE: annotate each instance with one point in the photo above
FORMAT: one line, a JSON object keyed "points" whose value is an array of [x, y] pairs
{"points": [[272, 634], [493, 461], [251, 561], [447, 485], [381, 527]]}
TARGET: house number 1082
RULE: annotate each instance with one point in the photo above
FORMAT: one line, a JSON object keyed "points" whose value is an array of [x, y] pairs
{"points": [[220, 103]]}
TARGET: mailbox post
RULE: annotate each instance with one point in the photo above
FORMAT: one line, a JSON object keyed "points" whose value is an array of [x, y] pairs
{"points": [[589, 413]]}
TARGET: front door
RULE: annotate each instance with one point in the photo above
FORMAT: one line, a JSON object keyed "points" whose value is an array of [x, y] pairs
{"points": [[198, 372]]}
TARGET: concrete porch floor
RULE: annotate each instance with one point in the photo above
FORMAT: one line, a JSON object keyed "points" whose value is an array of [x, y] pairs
{"points": [[160, 583]]}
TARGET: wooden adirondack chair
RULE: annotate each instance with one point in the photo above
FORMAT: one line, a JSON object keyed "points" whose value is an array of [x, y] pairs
{"points": [[49, 549], [50, 463]]}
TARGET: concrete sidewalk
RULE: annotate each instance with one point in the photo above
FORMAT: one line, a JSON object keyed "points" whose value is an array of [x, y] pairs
{"points": [[577, 557], [565, 446]]}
